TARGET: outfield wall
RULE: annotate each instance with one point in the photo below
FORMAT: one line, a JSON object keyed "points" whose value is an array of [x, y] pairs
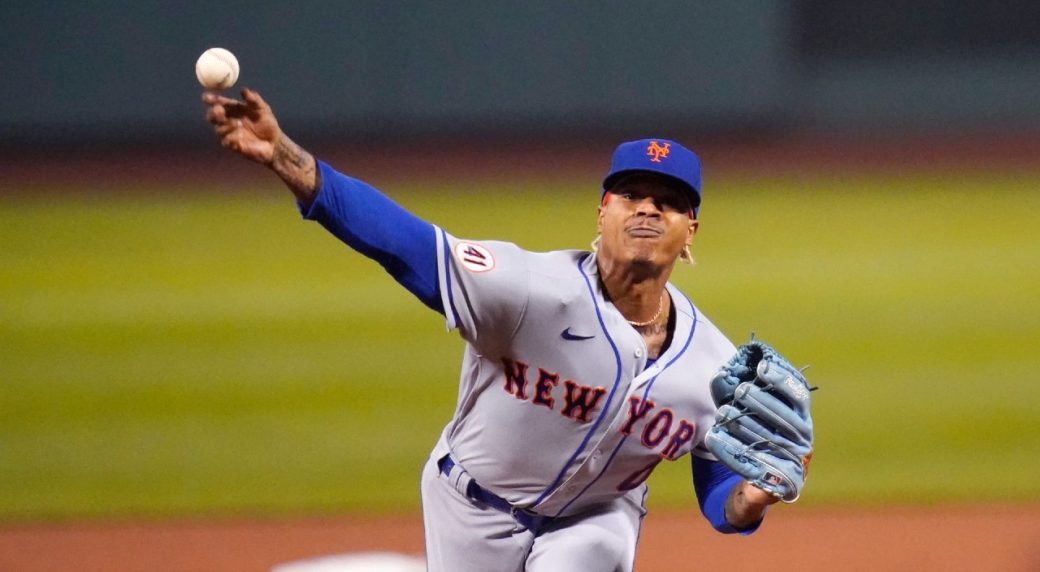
{"points": [[77, 72]]}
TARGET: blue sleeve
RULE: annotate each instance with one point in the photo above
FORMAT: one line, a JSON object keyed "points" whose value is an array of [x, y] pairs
{"points": [[714, 482], [372, 224]]}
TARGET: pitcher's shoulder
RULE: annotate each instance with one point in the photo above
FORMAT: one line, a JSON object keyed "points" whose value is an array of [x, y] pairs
{"points": [[560, 264]]}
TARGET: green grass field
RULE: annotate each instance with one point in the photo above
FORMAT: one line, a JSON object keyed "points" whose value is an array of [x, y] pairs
{"points": [[175, 352]]}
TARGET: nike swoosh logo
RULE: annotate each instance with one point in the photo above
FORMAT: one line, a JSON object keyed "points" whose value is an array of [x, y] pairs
{"points": [[567, 335]]}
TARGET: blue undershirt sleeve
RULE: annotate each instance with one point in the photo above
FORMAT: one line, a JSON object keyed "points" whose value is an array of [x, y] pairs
{"points": [[713, 483], [372, 224]]}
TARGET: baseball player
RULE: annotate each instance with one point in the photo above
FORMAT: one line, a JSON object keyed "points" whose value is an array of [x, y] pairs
{"points": [[582, 371]]}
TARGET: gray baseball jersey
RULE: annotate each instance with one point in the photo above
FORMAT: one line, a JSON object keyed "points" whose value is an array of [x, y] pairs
{"points": [[557, 409]]}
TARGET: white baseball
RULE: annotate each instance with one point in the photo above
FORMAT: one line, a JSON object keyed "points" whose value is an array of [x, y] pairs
{"points": [[217, 68]]}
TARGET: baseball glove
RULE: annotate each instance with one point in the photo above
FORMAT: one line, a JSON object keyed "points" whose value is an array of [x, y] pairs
{"points": [[763, 430]]}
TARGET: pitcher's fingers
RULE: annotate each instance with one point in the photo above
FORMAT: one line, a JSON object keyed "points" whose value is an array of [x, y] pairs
{"points": [[234, 141], [213, 98], [223, 129], [253, 97], [255, 102], [216, 114]]}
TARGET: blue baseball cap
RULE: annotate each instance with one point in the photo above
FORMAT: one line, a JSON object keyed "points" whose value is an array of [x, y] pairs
{"points": [[661, 156]]}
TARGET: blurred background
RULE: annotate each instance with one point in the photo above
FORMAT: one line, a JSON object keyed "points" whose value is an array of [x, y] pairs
{"points": [[107, 72], [175, 342]]}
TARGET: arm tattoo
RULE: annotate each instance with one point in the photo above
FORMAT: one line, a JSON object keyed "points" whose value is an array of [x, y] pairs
{"points": [[290, 152], [297, 168]]}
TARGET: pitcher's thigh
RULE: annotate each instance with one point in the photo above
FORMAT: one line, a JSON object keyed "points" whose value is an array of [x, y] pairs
{"points": [[600, 542], [463, 536]]}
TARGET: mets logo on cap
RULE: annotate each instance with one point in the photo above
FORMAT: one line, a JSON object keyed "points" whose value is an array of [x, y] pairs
{"points": [[656, 151]]}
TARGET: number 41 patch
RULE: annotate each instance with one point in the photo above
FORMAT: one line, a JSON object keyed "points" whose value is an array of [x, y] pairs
{"points": [[474, 257]]}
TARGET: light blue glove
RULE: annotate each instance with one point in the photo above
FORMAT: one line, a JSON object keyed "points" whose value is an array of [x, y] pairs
{"points": [[763, 428]]}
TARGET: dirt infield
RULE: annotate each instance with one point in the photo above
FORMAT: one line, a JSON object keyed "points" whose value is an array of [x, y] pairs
{"points": [[935, 538]]}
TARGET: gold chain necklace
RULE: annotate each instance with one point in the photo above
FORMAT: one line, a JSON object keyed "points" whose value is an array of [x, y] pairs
{"points": [[660, 306]]}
